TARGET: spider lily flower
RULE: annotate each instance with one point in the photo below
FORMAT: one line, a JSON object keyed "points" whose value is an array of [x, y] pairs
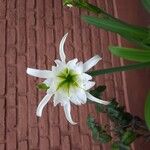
{"points": [[67, 82]]}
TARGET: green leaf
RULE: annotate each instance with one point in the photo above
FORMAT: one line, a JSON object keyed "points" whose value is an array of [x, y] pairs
{"points": [[131, 33], [146, 4], [42, 86], [131, 53], [119, 146], [104, 137], [128, 137], [119, 69], [147, 111]]}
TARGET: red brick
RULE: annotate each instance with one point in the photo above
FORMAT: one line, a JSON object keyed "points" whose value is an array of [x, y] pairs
{"points": [[96, 147], [21, 72], [2, 9], [49, 13], [58, 9], [83, 113], [2, 120], [40, 9], [58, 32], [2, 36], [31, 20], [21, 8], [2, 146], [12, 18], [21, 36], [11, 77], [11, 4], [44, 124], [49, 35], [31, 37], [30, 4], [31, 56], [44, 143], [53, 114], [67, 19], [23, 145], [85, 142], [11, 98], [2, 75], [22, 118], [50, 56], [11, 34], [65, 142], [54, 137], [63, 121], [11, 140], [75, 137], [33, 138], [11, 119], [11, 56]]}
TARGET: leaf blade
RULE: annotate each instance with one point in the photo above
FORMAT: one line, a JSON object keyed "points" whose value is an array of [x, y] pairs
{"points": [[147, 111], [131, 53]]}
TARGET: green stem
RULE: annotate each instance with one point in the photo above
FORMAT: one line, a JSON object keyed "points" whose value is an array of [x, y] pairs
{"points": [[119, 69]]}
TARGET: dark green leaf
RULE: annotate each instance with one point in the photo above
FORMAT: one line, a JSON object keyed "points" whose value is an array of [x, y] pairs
{"points": [[146, 4], [131, 33], [42, 86], [119, 69], [104, 137], [100, 108], [119, 146], [128, 137], [131, 53], [147, 111]]}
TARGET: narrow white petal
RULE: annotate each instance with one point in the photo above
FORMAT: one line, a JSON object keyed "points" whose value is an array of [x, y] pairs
{"points": [[88, 85], [92, 98], [86, 77], [81, 95], [41, 105], [39, 73], [58, 62], [91, 62], [71, 64], [67, 110], [61, 48]]}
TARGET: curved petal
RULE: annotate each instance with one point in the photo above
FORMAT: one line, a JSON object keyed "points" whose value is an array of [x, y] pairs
{"points": [[67, 110], [89, 84], [86, 77], [41, 105], [91, 62], [39, 73], [71, 64], [61, 48], [92, 98], [81, 95]]}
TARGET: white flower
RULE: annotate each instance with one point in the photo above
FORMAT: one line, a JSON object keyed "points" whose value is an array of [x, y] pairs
{"points": [[68, 82]]}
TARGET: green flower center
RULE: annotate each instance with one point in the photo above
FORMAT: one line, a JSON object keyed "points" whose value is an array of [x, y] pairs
{"points": [[67, 78]]}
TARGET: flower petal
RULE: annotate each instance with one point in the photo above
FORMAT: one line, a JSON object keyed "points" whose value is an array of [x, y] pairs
{"points": [[39, 73], [71, 64], [41, 105], [61, 48], [91, 62], [81, 95], [86, 77], [92, 98], [89, 84], [67, 110]]}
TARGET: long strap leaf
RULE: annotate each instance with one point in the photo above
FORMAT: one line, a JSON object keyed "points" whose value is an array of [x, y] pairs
{"points": [[147, 111], [119, 69], [131, 53]]}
